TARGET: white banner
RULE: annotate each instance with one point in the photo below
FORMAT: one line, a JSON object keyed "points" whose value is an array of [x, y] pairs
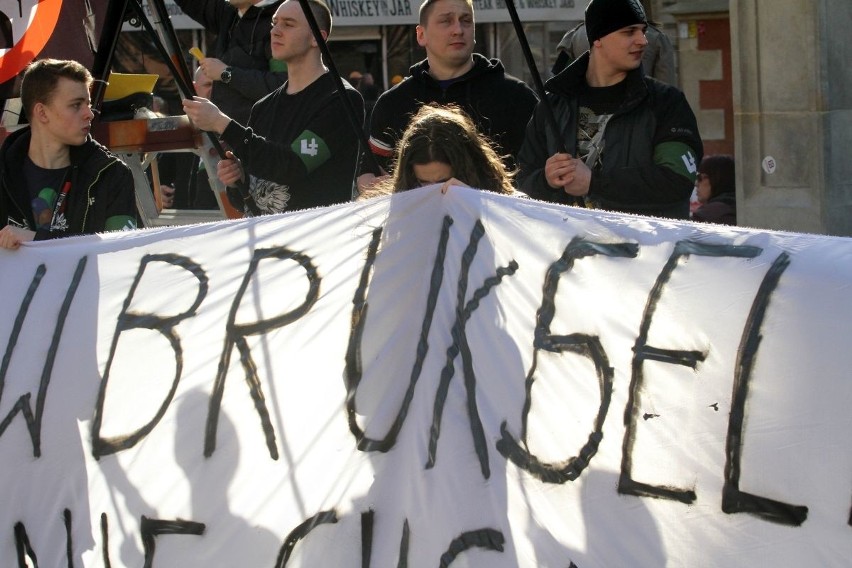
{"points": [[467, 380]]}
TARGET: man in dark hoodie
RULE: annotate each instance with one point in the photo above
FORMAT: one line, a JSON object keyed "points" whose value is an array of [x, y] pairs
{"points": [[632, 142], [499, 104], [55, 180], [241, 65]]}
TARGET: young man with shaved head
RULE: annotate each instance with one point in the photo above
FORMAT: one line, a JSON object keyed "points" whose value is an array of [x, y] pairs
{"points": [[499, 104], [299, 149]]}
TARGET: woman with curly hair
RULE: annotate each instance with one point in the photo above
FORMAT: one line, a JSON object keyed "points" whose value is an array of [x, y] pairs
{"points": [[442, 145]]}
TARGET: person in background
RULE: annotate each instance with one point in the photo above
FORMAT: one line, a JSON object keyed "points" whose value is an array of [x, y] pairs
{"points": [[240, 65], [55, 180], [299, 149], [200, 193], [632, 142], [442, 145], [715, 185], [366, 85], [499, 105], [658, 59], [166, 166], [370, 91]]}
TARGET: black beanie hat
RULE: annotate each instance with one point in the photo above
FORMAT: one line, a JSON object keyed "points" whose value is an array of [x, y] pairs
{"points": [[606, 16]]}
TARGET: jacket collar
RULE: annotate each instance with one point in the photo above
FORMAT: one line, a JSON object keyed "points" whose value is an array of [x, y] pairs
{"points": [[568, 82], [17, 144], [481, 66]]}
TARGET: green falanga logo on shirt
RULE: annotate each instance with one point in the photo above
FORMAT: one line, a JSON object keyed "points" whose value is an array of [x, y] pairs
{"points": [[311, 149]]}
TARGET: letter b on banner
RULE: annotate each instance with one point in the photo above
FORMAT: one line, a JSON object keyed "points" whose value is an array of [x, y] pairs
{"points": [[128, 320]]}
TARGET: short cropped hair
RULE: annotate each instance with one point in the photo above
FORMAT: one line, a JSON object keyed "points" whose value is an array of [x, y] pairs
{"points": [[322, 15], [427, 6], [41, 77]]}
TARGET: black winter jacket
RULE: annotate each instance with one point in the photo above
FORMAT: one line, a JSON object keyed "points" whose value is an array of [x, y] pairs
{"points": [[101, 197], [244, 44], [499, 104], [650, 154]]}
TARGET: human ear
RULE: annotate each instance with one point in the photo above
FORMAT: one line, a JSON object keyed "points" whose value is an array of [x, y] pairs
{"points": [[421, 39], [39, 112]]}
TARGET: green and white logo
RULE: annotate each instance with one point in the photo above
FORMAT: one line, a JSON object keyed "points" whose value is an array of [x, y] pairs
{"points": [[311, 149], [678, 157]]}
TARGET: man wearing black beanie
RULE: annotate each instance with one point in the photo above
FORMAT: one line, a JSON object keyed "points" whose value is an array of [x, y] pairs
{"points": [[632, 142]]}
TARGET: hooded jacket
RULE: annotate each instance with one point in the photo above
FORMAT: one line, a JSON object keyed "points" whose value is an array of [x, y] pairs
{"points": [[101, 197], [651, 146], [499, 104], [243, 44]]}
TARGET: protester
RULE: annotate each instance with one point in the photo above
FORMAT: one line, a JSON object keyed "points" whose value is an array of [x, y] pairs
{"points": [[442, 145], [632, 142], [56, 181], [499, 104], [240, 65], [658, 59], [299, 149], [716, 188]]}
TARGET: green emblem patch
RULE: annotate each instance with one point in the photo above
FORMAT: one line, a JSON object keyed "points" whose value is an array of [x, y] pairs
{"points": [[120, 223], [311, 149]]}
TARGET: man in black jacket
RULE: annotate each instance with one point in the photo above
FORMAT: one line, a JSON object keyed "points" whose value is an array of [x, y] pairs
{"points": [[241, 65], [299, 149], [499, 104], [55, 180], [632, 142]]}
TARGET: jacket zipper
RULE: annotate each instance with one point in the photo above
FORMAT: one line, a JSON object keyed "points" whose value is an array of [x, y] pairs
{"points": [[89, 192]]}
